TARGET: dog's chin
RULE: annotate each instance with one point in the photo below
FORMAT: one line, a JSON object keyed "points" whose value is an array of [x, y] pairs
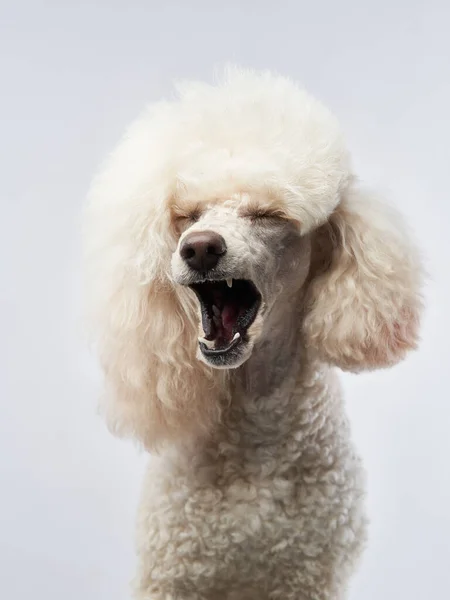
{"points": [[232, 357]]}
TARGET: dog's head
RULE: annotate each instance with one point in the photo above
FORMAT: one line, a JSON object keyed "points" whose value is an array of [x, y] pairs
{"points": [[212, 212], [238, 256]]}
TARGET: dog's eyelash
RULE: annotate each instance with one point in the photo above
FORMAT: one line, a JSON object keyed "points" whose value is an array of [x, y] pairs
{"points": [[191, 217], [259, 215]]}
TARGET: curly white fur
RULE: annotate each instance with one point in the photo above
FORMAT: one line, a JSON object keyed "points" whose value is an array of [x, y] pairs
{"points": [[255, 492]]}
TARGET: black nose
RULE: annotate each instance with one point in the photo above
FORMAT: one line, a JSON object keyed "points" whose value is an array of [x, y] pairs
{"points": [[201, 250]]}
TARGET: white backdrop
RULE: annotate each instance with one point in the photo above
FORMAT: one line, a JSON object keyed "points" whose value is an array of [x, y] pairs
{"points": [[72, 75]]}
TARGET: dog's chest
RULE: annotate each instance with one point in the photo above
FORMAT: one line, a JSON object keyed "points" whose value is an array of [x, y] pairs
{"points": [[243, 522]]}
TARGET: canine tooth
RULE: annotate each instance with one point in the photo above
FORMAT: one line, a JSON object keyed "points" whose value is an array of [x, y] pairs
{"points": [[229, 282], [216, 311], [236, 336], [208, 343]]}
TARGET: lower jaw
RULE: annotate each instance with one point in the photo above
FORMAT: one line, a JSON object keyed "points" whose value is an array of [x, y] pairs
{"points": [[236, 341], [230, 358]]}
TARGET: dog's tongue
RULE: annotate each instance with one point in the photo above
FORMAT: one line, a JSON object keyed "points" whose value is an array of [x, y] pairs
{"points": [[229, 316]]}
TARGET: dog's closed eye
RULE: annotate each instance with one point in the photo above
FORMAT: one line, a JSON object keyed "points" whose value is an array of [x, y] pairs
{"points": [[257, 213], [183, 219]]}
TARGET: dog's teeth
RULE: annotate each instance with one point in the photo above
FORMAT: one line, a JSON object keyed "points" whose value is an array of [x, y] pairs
{"points": [[230, 282], [236, 336], [208, 343], [216, 311]]}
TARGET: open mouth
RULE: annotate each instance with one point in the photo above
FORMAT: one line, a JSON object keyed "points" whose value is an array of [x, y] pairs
{"points": [[228, 308]]}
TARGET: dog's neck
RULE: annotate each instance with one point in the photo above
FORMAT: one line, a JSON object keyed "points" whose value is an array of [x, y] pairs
{"points": [[279, 396], [271, 391], [277, 358]]}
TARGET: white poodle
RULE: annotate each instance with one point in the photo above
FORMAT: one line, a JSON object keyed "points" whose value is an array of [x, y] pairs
{"points": [[233, 262]]}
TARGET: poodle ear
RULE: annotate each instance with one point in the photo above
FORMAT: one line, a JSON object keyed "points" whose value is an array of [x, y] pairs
{"points": [[144, 328], [364, 303]]}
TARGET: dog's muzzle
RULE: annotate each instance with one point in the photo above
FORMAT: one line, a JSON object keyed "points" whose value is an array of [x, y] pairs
{"points": [[228, 306]]}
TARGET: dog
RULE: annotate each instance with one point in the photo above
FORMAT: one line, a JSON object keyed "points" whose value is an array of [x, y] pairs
{"points": [[233, 263]]}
